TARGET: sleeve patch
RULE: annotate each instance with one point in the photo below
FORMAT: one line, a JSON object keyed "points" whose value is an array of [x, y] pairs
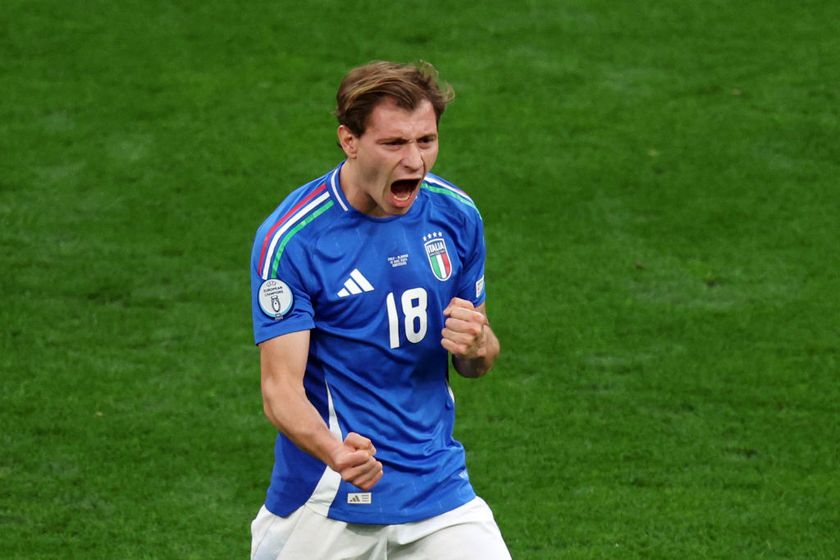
{"points": [[275, 298], [479, 287]]}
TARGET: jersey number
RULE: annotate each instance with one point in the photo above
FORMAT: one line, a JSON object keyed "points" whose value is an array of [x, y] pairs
{"points": [[413, 303]]}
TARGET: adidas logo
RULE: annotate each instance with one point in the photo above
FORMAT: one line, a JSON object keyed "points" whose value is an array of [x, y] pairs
{"points": [[359, 498], [356, 284]]}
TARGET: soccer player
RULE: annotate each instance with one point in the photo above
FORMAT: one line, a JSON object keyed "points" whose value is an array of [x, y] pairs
{"points": [[364, 282]]}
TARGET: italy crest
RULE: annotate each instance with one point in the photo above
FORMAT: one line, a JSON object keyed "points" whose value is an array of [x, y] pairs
{"points": [[438, 256]]}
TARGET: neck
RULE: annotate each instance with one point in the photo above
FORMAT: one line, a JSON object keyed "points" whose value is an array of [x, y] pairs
{"points": [[350, 183]]}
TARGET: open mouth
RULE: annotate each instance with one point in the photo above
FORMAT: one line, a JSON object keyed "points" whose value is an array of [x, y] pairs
{"points": [[402, 189]]}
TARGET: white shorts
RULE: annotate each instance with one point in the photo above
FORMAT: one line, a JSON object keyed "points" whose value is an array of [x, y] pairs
{"points": [[465, 533]]}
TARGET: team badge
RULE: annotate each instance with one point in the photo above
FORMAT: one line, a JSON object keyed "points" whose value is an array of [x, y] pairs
{"points": [[438, 255], [275, 298]]}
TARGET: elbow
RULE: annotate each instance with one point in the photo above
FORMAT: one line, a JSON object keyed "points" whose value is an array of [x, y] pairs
{"points": [[269, 411]]}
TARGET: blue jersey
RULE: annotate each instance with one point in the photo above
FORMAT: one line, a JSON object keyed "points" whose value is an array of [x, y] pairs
{"points": [[372, 291]]}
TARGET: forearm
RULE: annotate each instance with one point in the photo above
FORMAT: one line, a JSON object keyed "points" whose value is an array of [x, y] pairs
{"points": [[481, 364], [289, 410], [283, 366]]}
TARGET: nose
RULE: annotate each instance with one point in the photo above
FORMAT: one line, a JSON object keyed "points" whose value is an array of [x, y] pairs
{"points": [[413, 158]]}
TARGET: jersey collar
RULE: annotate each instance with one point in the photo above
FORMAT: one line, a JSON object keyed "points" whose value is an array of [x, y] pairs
{"points": [[335, 187]]}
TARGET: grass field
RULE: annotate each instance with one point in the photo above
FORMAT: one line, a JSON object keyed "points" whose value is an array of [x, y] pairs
{"points": [[660, 185]]}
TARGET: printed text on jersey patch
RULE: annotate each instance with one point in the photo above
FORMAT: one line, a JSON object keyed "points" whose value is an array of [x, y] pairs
{"points": [[275, 298]]}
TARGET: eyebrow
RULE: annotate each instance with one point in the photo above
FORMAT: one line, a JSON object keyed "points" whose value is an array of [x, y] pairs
{"points": [[403, 139]]}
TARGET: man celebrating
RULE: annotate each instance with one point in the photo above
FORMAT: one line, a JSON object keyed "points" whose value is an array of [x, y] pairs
{"points": [[364, 281]]}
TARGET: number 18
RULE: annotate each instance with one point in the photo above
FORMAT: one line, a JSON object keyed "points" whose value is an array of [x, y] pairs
{"points": [[413, 303]]}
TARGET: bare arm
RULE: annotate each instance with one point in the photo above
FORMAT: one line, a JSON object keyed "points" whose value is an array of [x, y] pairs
{"points": [[468, 337], [283, 364]]}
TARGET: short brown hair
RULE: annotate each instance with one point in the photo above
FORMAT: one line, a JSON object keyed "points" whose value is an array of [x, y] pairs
{"points": [[407, 84]]}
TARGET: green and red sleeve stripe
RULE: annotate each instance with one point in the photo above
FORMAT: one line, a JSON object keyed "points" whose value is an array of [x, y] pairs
{"points": [[310, 207]]}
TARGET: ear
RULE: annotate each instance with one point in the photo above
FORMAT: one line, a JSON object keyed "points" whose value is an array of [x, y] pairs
{"points": [[348, 141]]}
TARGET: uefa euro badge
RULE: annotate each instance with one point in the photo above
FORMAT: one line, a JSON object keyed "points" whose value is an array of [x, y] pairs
{"points": [[275, 298], [438, 255]]}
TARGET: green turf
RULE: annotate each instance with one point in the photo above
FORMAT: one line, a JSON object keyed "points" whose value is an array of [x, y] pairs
{"points": [[659, 183]]}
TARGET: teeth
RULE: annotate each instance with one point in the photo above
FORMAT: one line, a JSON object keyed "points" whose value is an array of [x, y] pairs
{"points": [[402, 190]]}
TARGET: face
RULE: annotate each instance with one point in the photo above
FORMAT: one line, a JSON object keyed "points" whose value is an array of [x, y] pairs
{"points": [[386, 164]]}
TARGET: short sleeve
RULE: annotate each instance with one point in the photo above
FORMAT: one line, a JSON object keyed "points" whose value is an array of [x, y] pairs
{"points": [[280, 302], [472, 281]]}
